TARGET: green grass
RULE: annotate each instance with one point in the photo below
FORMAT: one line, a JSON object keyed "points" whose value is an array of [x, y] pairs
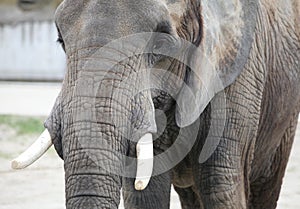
{"points": [[23, 124], [6, 155]]}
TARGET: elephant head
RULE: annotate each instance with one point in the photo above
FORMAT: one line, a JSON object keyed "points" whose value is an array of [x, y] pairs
{"points": [[118, 52]]}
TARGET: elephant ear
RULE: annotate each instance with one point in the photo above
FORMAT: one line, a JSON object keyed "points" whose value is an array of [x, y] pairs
{"points": [[228, 30]]}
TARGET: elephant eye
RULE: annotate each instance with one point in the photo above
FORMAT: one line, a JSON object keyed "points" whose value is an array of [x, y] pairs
{"points": [[60, 39], [162, 42], [162, 48], [164, 45], [61, 42]]}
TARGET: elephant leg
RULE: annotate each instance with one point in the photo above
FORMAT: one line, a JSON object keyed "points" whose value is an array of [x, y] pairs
{"points": [[265, 190], [222, 183], [188, 198], [223, 179], [156, 194]]}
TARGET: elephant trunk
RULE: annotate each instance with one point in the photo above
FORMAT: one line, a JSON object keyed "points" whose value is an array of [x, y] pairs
{"points": [[103, 105], [100, 113], [91, 169]]}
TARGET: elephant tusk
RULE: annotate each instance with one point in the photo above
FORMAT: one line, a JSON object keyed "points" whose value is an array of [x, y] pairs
{"points": [[34, 152], [144, 150]]}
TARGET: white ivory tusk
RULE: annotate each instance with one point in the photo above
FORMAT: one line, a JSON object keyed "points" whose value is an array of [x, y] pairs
{"points": [[34, 152], [144, 150]]}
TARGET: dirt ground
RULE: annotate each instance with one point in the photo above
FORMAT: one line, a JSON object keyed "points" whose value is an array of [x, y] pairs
{"points": [[41, 186]]}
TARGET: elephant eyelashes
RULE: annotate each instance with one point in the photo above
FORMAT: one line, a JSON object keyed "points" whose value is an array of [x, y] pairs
{"points": [[163, 38], [160, 42], [60, 39], [61, 42], [164, 45]]}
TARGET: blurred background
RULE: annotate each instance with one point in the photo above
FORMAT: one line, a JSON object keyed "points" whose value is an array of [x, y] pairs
{"points": [[28, 47], [32, 66]]}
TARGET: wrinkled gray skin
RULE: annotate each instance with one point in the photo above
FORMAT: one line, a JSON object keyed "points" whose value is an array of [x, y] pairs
{"points": [[255, 47]]}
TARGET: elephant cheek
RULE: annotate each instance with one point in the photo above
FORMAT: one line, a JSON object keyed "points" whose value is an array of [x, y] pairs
{"points": [[53, 125]]}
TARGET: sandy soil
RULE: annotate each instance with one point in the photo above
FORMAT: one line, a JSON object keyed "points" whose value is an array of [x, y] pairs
{"points": [[41, 186], [37, 98]]}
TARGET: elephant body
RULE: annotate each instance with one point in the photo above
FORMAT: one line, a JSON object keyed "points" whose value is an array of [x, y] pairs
{"points": [[244, 127]]}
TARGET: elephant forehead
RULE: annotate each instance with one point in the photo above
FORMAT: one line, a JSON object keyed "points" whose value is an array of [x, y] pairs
{"points": [[117, 13], [176, 8]]}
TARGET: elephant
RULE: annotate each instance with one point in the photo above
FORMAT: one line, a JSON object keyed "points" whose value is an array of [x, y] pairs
{"points": [[202, 95]]}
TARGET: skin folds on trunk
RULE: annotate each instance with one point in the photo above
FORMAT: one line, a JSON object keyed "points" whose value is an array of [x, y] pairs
{"points": [[90, 170], [91, 125]]}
